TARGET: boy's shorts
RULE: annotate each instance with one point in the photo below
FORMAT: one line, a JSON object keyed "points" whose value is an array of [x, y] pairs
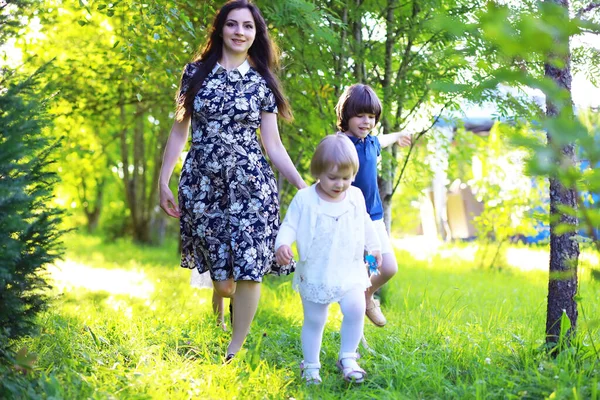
{"points": [[384, 238]]}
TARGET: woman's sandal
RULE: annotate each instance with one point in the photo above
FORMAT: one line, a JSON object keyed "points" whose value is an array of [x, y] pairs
{"points": [[310, 373], [228, 358], [350, 369]]}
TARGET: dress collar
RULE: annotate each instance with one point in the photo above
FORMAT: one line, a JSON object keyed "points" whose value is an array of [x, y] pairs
{"points": [[355, 140], [242, 69]]}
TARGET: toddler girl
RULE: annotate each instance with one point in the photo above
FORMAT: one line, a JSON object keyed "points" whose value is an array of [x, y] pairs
{"points": [[330, 225]]}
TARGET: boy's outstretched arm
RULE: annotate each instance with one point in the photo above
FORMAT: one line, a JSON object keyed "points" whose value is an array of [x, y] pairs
{"points": [[402, 139]]}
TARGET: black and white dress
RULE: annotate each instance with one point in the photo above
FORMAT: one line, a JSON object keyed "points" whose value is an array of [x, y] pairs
{"points": [[227, 191]]}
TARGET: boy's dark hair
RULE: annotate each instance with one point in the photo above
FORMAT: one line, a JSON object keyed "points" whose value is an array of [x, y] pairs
{"points": [[357, 99]]}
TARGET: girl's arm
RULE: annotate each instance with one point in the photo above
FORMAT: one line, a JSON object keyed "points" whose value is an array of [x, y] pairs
{"points": [[287, 233], [175, 145], [403, 139], [271, 141]]}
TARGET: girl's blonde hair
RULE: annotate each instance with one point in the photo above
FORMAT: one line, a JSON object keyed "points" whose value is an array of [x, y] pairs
{"points": [[357, 99], [335, 150]]}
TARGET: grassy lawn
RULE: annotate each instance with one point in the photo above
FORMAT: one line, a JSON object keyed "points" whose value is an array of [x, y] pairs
{"points": [[126, 324]]}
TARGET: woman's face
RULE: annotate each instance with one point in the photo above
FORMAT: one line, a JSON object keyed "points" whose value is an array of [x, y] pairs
{"points": [[239, 31]]}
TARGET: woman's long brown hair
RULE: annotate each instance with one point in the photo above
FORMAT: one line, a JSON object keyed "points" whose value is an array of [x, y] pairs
{"points": [[263, 53]]}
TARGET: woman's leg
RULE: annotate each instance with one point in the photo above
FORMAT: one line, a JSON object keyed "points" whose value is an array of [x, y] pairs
{"points": [[224, 288], [353, 309], [315, 317], [247, 295], [219, 308]]}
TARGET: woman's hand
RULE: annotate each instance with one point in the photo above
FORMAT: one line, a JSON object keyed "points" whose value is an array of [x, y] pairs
{"points": [[284, 255], [167, 202]]}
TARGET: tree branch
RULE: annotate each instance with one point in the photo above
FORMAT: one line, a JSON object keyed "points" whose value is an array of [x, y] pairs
{"points": [[587, 9]]}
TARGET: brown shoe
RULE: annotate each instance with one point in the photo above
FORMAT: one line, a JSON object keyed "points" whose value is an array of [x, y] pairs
{"points": [[374, 313]]}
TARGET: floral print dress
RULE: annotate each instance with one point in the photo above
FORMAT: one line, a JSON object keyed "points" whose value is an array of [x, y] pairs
{"points": [[227, 190]]}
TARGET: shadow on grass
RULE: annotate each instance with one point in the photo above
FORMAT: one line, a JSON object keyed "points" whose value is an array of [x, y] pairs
{"points": [[94, 250]]}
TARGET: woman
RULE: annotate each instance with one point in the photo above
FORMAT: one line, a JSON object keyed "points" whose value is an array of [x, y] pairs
{"points": [[228, 204]]}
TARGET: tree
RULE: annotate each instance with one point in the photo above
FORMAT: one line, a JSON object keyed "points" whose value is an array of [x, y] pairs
{"points": [[123, 61], [543, 60], [29, 233], [564, 249]]}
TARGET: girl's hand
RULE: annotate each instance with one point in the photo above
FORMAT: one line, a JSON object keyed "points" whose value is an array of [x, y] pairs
{"points": [[284, 255], [404, 140], [167, 202]]}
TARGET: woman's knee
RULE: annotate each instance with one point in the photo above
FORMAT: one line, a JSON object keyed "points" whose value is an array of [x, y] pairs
{"points": [[224, 288]]}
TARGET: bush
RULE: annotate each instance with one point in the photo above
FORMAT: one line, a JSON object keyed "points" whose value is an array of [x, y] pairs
{"points": [[29, 233]]}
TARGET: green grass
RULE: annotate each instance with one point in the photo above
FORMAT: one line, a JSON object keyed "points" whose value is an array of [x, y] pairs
{"points": [[454, 332]]}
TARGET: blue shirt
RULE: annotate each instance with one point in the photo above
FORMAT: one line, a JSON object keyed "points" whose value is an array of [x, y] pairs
{"points": [[368, 150]]}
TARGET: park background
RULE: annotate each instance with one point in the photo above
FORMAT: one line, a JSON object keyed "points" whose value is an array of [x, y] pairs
{"points": [[487, 304]]}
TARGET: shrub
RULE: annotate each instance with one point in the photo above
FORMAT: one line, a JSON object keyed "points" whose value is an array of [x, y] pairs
{"points": [[29, 233]]}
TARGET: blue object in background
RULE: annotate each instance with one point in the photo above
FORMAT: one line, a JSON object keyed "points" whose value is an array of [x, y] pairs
{"points": [[589, 200], [541, 227]]}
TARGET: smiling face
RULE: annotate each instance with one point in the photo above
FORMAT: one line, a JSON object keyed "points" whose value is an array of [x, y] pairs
{"points": [[361, 125], [334, 182], [239, 31]]}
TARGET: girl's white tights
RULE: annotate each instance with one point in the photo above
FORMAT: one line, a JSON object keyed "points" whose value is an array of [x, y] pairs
{"points": [[315, 316]]}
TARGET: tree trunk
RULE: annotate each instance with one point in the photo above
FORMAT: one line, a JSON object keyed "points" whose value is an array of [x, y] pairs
{"points": [[131, 178], [141, 225], [564, 249], [92, 209], [93, 213], [359, 51], [386, 179]]}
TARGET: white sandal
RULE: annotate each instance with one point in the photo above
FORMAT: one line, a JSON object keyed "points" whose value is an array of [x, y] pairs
{"points": [[351, 371], [310, 373]]}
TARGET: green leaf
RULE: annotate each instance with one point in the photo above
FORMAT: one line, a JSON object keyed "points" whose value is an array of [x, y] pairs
{"points": [[565, 325], [94, 338], [561, 229]]}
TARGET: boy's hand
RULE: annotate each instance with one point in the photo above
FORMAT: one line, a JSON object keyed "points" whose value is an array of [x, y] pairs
{"points": [[377, 255], [404, 140], [284, 255]]}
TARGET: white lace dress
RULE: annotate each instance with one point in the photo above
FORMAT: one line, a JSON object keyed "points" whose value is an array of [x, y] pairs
{"points": [[331, 269]]}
